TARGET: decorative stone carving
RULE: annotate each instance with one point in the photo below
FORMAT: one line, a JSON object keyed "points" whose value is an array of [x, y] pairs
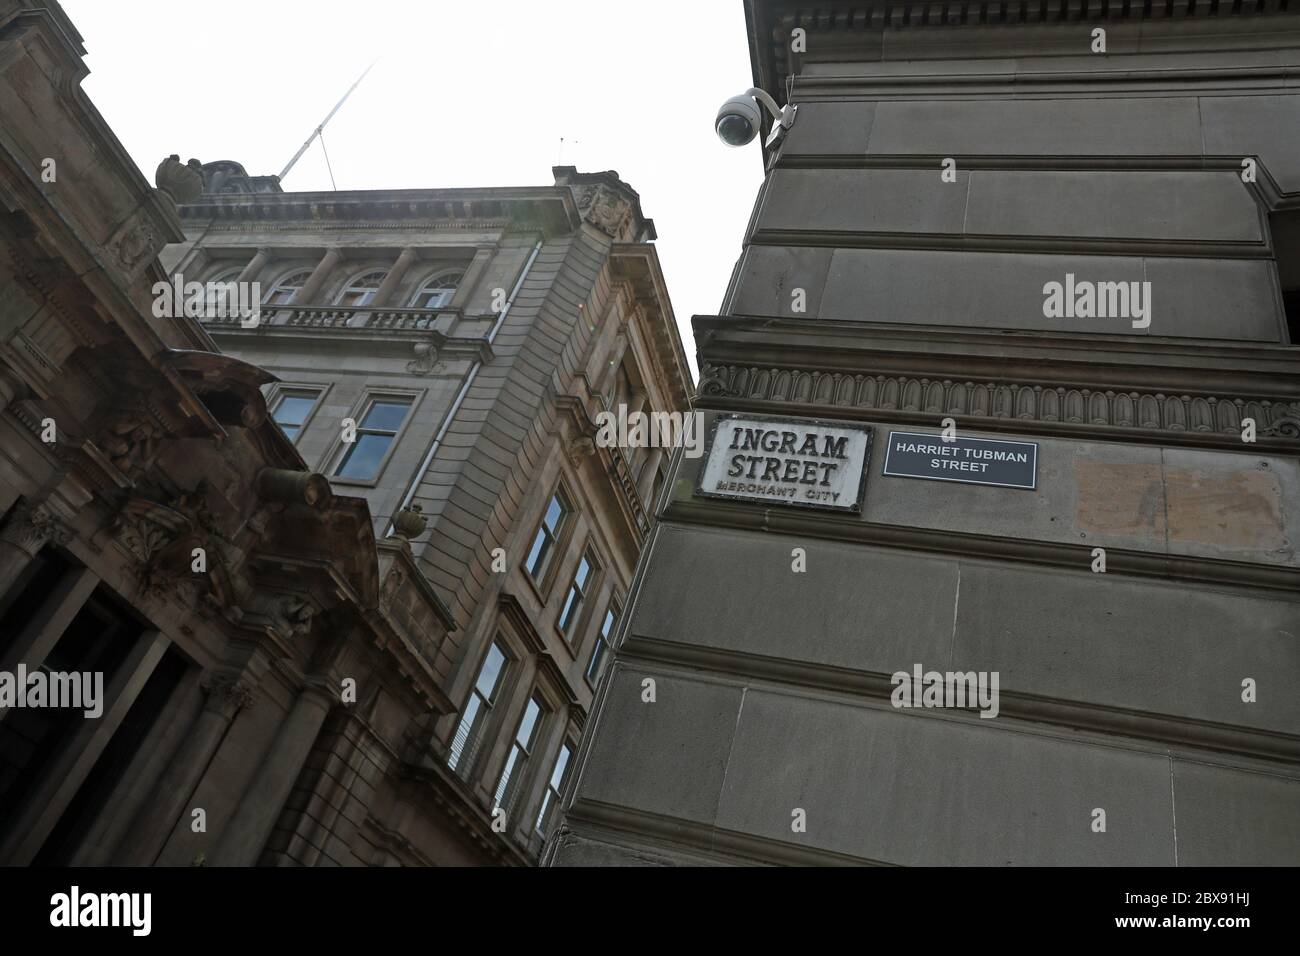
{"points": [[714, 385], [426, 360], [410, 522], [581, 448], [1002, 400], [296, 614], [147, 530], [392, 584], [227, 176], [135, 243], [183, 183], [1287, 426], [604, 208], [294, 487], [227, 695], [131, 441], [31, 526]]}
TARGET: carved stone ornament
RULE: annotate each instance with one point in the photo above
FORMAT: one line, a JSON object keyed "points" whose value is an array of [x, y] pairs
{"points": [[130, 441], [227, 695], [410, 522], [135, 243], [581, 448], [30, 526], [296, 615], [147, 530], [426, 359], [1288, 426], [183, 183], [714, 385], [392, 584], [604, 208]]}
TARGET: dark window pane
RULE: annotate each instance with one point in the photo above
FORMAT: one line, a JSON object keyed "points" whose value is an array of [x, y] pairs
{"points": [[363, 458], [386, 416]]}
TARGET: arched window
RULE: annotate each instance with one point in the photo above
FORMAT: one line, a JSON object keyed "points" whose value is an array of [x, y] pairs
{"points": [[220, 295], [288, 287], [226, 275], [437, 291], [362, 289]]}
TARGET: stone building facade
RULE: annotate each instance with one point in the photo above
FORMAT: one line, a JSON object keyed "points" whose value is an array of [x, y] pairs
{"points": [[315, 651], [471, 336], [947, 163]]}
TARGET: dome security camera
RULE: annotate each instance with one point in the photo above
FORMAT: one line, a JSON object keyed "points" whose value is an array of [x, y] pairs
{"points": [[739, 118]]}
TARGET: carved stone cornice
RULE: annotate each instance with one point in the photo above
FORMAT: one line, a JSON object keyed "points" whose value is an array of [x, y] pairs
{"points": [[473, 210], [1195, 419], [840, 23]]}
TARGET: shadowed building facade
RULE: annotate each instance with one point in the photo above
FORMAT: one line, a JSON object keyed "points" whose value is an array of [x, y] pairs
{"points": [[315, 650], [963, 185]]}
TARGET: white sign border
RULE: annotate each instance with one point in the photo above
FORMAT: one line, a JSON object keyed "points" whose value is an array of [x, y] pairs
{"points": [[855, 508]]}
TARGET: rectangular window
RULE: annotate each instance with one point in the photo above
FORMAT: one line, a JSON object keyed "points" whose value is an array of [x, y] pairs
{"points": [[376, 432], [292, 406], [547, 537], [572, 609], [602, 644], [525, 737], [478, 708], [554, 787]]}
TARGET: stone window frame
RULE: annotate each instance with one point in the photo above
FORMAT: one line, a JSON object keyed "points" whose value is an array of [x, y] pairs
{"points": [[333, 456], [280, 388]]}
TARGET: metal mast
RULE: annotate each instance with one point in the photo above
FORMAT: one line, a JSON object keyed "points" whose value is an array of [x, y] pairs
{"points": [[303, 148]]}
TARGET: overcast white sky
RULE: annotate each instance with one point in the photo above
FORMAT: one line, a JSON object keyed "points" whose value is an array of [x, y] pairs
{"points": [[464, 94]]}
